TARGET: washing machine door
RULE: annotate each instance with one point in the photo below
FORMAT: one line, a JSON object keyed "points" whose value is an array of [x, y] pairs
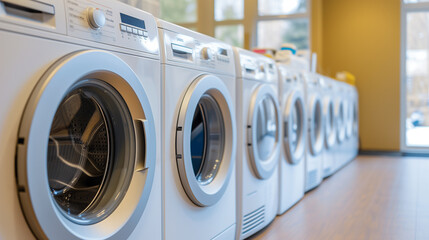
{"points": [[355, 119], [349, 119], [263, 131], [86, 150], [205, 140], [329, 123], [294, 122], [340, 121], [315, 128]]}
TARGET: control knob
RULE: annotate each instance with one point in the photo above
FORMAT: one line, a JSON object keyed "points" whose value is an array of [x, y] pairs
{"points": [[206, 53], [96, 18]]}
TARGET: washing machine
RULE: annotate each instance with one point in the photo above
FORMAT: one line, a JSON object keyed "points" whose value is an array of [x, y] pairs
{"points": [[258, 130], [199, 135], [340, 109], [355, 117], [80, 121], [293, 137], [350, 147], [315, 131], [328, 112]]}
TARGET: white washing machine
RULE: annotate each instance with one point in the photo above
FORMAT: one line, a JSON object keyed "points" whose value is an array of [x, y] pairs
{"points": [[199, 135], [293, 137], [80, 121], [328, 96], [340, 109], [258, 130], [315, 148], [355, 117], [350, 147]]}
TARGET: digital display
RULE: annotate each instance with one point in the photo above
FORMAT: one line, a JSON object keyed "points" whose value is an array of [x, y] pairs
{"points": [[223, 52], [132, 21]]}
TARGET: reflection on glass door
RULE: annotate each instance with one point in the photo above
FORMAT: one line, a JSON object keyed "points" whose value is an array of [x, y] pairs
{"points": [[416, 83]]}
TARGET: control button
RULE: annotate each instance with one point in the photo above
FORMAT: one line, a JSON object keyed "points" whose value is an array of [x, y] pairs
{"points": [[145, 34], [262, 68], [123, 28], [206, 53], [140, 32], [96, 18], [129, 29], [135, 31]]}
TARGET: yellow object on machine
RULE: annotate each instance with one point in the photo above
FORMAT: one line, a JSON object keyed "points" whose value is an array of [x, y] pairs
{"points": [[346, 77]]}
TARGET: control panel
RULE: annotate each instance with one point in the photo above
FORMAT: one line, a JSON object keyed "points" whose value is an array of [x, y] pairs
{"points": [[113, 23], [257, 67], [191, 48]]}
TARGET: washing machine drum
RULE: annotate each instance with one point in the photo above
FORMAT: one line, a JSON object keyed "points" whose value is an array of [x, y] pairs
{"points": [[205, 140], [85, 155], [294, 127]]}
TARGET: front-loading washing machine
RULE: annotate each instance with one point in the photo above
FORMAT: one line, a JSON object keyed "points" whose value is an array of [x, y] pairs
{"points": [[315, 142], [350, 145], [355, 117], [293, 137], [329, 129], [199, 135], [258, 130], [80, 121], [340, 108]]}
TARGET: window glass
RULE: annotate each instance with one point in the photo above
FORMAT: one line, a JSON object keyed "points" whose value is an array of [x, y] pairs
{"points": [[179, 11], [417, 79], [281, 7], [415, 1], [227, 10], [273, 33], [231, 34]]}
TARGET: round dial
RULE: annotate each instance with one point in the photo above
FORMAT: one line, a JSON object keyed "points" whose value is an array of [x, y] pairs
{"points": [[96, 18], [206, 53]]}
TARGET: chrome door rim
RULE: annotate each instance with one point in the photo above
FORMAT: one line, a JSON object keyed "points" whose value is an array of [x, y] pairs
{"points": [[316, 138], [263, 168], [294, 157], [209, 194]]}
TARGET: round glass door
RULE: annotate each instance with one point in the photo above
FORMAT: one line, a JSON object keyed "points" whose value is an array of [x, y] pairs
{"points": [[329, 114], [341, 132], [90, 129], [205, 140], [86, 156], [349, 119], [294, 126], [266, 128], [316, 126], [355, 119], [263, 131]]}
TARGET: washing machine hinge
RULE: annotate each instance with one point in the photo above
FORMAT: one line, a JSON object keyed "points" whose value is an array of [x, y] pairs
{"points": [[21, 140], [21, 188], [179, 156], [179, 128]]}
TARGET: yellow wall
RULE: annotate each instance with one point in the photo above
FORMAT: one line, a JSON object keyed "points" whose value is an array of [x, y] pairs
{"points": [[363, 37]]}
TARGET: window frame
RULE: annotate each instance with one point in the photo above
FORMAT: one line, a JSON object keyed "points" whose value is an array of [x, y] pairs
{"points": [[206, 22], [405, 9]]}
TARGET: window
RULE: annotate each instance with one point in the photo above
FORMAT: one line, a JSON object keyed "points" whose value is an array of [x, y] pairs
{"points": [[283, 21], [277, 21], [415, 76]]}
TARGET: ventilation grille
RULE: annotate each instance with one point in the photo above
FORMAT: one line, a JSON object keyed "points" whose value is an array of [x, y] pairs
{"points": [[253, 220], [311, 179]]}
